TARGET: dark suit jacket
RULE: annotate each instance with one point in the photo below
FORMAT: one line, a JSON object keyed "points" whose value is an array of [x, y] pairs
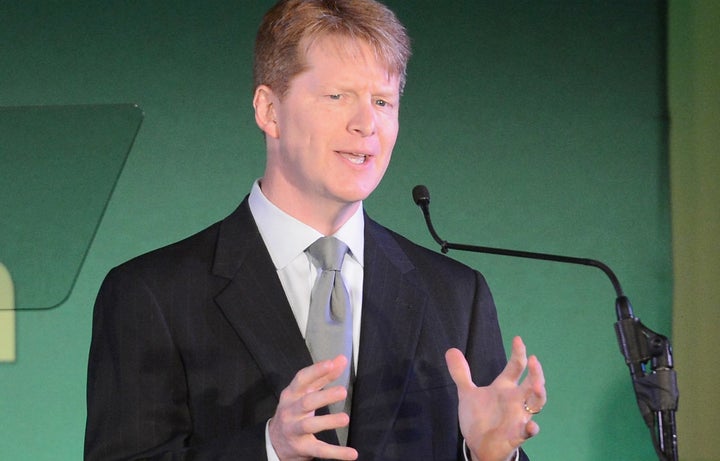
{"points": [[193, 343]]}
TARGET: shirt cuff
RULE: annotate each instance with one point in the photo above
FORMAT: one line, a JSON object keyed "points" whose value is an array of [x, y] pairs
{"points": [[466, 452], [269, 450]]}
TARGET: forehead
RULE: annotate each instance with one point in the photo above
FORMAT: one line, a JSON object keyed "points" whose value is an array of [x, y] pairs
{"points": [[334, 50]]}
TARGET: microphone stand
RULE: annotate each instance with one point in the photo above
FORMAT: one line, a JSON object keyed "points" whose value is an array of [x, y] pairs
{"points": [[647, 354]]}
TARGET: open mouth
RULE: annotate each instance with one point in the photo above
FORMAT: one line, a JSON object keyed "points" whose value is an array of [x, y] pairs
{"points": [[357, 159]]}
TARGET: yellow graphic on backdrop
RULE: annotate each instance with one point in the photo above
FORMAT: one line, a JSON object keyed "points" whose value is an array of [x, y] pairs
{"points": [[7, 316]]}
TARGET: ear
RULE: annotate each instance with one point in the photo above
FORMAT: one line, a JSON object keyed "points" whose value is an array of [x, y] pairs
{"points": [[264, 103]]}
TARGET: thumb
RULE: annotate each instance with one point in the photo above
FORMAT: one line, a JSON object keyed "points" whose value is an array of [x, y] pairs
{"points": [[458, 368]]}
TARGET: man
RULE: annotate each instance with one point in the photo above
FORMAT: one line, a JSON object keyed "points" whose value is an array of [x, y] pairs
{"points": [[201, 350]]}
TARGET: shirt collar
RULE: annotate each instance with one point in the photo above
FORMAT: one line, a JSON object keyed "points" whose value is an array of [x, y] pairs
{"points": [[287, 237]]}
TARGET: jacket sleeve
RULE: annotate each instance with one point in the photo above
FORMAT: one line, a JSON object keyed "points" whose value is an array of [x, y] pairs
{"points": [[485, 344], [137, 391]]}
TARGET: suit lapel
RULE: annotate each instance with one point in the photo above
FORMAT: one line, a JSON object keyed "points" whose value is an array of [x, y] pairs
{"points": [[255, 304], [254, 301], [393, 306]]}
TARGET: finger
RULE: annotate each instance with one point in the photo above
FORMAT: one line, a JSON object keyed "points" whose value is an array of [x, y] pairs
{"points": [[318, 399], [306, 446], [318, 375], [531, 429], [459, 369], [536, 383], [328, 451], [517, 363], [317, 424]]}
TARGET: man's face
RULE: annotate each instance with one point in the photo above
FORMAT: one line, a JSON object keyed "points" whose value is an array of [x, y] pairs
{"points": [[335, 128]]}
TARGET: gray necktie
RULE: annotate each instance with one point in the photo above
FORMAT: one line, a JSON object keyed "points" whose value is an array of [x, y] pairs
{"points": [[329, 329]]}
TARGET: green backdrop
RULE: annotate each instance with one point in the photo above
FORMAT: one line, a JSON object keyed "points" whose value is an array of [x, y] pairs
{"points": [[536, 125]]}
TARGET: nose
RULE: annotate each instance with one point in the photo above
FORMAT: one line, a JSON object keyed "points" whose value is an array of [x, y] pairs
{"points": [[362, 121]]}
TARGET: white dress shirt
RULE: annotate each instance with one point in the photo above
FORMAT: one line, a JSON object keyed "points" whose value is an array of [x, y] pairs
{"points": [[286, 239]]}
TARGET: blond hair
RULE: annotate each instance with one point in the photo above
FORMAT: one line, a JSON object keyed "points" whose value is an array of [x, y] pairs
{"points": [[292, 26]]}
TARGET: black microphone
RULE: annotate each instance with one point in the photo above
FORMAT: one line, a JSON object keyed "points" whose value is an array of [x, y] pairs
{"points": [[421, 196], [647, 354]]}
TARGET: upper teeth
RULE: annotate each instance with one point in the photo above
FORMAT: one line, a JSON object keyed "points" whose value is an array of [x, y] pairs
{"points": [[355, 158]]}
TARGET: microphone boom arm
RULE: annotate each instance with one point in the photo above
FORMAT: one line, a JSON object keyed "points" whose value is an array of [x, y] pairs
{"points": [[647, 354]]}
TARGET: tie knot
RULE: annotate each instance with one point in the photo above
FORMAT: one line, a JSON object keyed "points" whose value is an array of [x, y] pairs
{"points": [[328, 252]]}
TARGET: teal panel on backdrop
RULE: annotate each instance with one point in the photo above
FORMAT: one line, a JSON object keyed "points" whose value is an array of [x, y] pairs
{"points": [[536, 125], [59, 167]]}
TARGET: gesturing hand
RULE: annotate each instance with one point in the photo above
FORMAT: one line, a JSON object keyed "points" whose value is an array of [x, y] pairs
{"points": [[292, 430], [497, 419]]}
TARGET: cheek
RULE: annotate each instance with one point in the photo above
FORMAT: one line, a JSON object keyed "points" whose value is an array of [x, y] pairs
{"points": [[387, 140], [381, 167], [297, 139], [384, 166]]}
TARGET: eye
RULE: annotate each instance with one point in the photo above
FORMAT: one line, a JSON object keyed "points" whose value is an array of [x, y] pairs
{"points": [[335, 97], [385, 103]]}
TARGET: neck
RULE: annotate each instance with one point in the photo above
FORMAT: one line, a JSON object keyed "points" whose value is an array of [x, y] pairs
{"points": [[325, 216]]}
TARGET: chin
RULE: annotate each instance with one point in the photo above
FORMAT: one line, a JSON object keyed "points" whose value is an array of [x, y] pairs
{"points": [[354, 191], [359, 194]]}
